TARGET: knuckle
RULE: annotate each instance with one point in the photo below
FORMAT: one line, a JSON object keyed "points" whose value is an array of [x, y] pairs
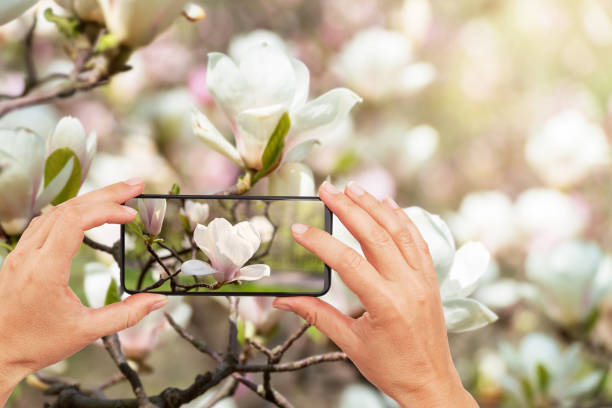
{"points": [[351, 259], [404, 238], [312, 317], [379, 236], [70, 215], [130, 319]]}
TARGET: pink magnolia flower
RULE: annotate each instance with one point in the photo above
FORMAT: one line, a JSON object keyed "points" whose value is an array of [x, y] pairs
{"points": [[152, 213]]}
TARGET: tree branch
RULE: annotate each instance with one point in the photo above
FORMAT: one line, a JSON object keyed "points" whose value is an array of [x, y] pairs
{"points": [[294, 365]]}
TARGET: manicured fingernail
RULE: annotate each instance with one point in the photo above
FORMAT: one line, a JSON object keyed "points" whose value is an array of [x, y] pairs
{"points": [[129, 210], [281, 306], [391, 203], [159, 304], [133, 181], [355, 188], [329, 187], [299, 228]]}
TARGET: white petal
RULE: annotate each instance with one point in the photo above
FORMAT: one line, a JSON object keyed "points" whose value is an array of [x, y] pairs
{"points": [[326, 110], [240, 244], [205, 130], [302, 84], [470, 264], [11, 9], [292, 179], [253, 272], [227, 85], [255, 126], [300, 151], [466, 314], [196, 267]]}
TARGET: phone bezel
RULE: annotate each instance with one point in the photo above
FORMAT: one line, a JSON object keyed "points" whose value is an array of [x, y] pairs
{"points": [[328, 228]]}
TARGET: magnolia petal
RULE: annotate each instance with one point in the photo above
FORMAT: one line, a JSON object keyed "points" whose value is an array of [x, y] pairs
{"points": [[582, 386], [11, 9], [226, 84], [197, 268], [253, 272], [466, 314], [240, 245], [54, 187], [292, 179], [300, 151], [302, 84], [255, 127], [470, 264], [326, 110], [205, 130], [91, 148]]}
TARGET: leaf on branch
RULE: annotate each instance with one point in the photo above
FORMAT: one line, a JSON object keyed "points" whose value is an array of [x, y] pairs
{"points": [[134, 228], [175, 189], [112, 294], [543, 377], [67, 26], [274, 149], [54, 164]]}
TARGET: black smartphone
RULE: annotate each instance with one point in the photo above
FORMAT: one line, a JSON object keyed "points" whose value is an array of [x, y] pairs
{"points": [[222, 245]]}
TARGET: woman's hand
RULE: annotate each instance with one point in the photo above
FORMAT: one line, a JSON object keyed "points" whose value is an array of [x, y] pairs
{"points": [[41, 320], [400, 343]]}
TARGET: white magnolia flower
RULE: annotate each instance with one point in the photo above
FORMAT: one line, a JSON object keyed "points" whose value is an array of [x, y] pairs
{"points": [[363, 396], [378, 64], [152, 212], [567, 149], [70, 133], [137, 22], [548, 216], [255, 92], [539, 370], [11, 9], [228, 248], [195, 212], [292, 179], [88, 10], [486, 216], [572, 278], [242, 44], [152, 331], [22, 159], [457, 272], [264, 227]]}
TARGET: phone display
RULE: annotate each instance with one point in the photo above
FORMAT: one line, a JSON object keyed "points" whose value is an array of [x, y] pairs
{"points": [[222, 245]]}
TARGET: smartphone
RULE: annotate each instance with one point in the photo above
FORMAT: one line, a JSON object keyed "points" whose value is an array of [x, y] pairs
{"points": [[222, 245]]}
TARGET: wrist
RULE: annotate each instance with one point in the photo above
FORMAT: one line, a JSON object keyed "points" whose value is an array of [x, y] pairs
{"points": [[442, 394], [10, 376]]}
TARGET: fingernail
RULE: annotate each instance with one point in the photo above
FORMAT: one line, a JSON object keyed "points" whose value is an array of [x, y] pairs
{"points": [[329, 187], [281, 306], [299, 228], [134, 181], [391, 203], [129, 210], [355, 188], [159, 304]]}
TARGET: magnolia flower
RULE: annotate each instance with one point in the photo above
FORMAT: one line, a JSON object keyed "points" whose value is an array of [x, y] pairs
{"points": [[137, 341], [242, 44], [228, 247], [11, 9], [572, 278], [486, 216], [22, 159], [136, 23], [255, 92], [567, 148], [548, 216], [539, 373], [292, 179], [264, 227], [70, 133], [378, 63], [88, 10], [152, 212], [457, 272], [195, 212]]}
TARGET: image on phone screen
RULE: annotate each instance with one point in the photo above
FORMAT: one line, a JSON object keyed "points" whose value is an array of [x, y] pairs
{"points": [[222, 245]]}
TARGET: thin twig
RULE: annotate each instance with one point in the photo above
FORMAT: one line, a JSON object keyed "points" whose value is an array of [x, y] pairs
{"points": [[198, 344], [277, 398], [281, 349], [294, 365]]}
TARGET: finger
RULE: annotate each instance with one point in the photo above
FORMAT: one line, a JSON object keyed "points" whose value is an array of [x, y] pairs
{"points": [[329, 320], [121, 315], [31, 235], [354, 270], [377, 245], [402, 230], [66, 235], [118, 193]]}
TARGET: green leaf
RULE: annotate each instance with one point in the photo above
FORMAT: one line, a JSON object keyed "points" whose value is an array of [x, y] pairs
{"points": [[175, 189], [273, 152], [68, 26], [590, 321], [543, 377], [6, 246], [112, 294], [133, 228], [54, 164], [106, 42]]}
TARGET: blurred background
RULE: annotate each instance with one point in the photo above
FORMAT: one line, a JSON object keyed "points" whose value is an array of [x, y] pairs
{"points": [[495, 115]]}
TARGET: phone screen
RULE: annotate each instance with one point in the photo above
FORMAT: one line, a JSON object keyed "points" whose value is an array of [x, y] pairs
{"points": [[222, 245]]}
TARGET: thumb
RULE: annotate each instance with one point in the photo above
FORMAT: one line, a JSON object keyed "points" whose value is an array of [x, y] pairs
{"points": [[329, 320], [121, 315]]}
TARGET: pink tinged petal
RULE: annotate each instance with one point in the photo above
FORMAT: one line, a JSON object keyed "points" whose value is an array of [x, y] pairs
{"points": [[255, 127], [205, 130], [253, 272], [327, 110], [227, 84], [152, 212], [470, 264], [197, 268]]}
